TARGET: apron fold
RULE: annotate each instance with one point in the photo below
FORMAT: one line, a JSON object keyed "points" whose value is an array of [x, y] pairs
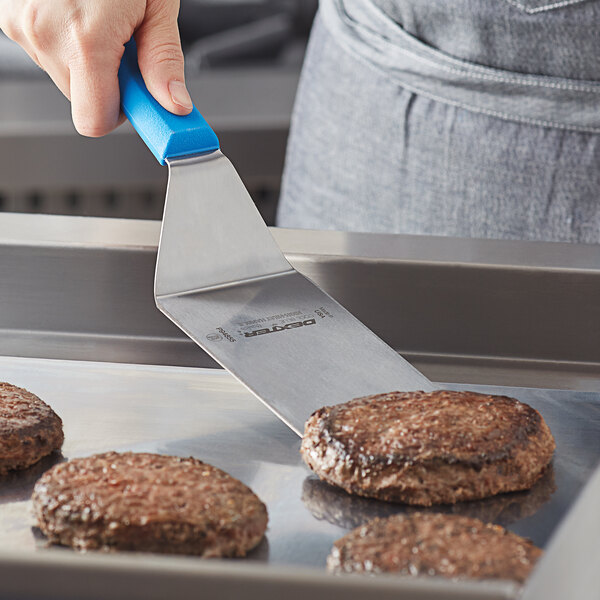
{"points": [[367, 32]]}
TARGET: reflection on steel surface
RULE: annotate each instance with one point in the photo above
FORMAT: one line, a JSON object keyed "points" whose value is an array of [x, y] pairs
{"points": [[345, 510], [17, 486]]}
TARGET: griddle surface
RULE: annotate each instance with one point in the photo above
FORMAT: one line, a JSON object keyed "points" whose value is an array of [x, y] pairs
{"points": [[207, 414]]}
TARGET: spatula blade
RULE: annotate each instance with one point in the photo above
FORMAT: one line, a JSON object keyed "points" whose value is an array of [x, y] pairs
{"points": [[222, 279], [291, 344]]}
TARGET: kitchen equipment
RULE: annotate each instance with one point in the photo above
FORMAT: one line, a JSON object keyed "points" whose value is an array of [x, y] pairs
{"points": [[223, 280], [62, 279], [62, 276], [207, 414]]}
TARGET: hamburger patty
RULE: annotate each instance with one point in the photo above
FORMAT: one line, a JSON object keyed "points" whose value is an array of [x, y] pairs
{"points": [[29, 428], [434, 544], [428, 448], [150, 503]]}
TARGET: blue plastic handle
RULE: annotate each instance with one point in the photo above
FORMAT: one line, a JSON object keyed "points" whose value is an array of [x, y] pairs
{"points": [[166, 134]]}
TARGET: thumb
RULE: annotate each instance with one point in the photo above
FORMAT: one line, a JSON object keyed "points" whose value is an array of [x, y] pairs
{"points": [[161, 59]]}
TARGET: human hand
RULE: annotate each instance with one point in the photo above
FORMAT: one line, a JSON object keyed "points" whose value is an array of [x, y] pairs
{"points": [[80, 44]]}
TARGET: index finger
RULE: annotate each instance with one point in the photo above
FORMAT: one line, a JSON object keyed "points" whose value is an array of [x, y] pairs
{"points": [[94, 91]]}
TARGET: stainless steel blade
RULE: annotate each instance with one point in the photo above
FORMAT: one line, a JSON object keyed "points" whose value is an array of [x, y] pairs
{"points": [[223, 280]]}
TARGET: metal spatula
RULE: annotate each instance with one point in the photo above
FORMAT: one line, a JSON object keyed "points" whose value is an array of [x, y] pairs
{"points": [[222, 279]]}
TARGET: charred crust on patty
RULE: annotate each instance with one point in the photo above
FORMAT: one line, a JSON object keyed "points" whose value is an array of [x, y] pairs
{"points": [[148, 503], [428, 448], [29, 429], [434, 544]]}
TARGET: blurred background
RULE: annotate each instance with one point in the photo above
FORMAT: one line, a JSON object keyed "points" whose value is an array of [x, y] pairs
{"points": [[243, 60]]}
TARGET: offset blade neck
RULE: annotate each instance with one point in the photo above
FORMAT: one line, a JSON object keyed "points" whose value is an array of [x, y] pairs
{"points": [[212, 233]]}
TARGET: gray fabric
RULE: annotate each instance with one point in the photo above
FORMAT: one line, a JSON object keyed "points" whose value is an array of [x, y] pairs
{"points": [[558, 38], [366, 31], [370, 152]]}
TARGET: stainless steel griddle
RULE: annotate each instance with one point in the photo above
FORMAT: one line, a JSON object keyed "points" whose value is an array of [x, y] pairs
{"points": [[80, 289], [207, 414]]}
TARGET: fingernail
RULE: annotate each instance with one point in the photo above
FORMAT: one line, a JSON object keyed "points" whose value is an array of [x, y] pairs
{"points": [[179, 94]]}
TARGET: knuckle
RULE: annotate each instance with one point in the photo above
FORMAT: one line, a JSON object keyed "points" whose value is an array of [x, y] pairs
{"points": [[166, 54], [165, 9], [81, 42], [84, 33], [11, 31], [32, 23], [9, 23]]}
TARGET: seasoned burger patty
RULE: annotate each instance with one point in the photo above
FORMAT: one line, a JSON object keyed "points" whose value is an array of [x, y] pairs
{"points": [[29, 428], [434, 544], [149, 503], [428, 448]]}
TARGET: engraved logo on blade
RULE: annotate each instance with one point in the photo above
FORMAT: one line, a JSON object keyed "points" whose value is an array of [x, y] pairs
{"points": [[254, 325], [277, 328], [214, 337]]}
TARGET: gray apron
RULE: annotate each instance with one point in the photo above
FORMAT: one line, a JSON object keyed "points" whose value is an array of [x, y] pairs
{"points": [[471, 118]]}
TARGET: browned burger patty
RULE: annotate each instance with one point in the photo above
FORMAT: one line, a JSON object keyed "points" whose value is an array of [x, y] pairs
{"points": [[150, 503], [434, 544], [428, 448], [29, 428]]}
